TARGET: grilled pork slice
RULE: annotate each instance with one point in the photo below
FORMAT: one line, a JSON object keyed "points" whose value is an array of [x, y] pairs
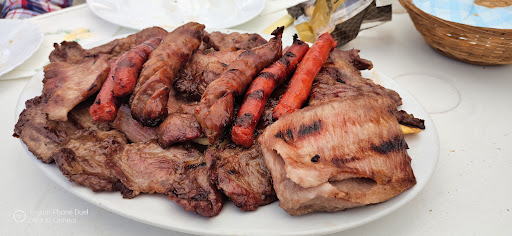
{"points": [[66, 84], [179, 171], [242, 175], [337, 155], [234, 41]]}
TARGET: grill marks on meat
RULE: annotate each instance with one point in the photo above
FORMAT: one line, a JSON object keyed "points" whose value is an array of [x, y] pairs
{"points": [[333, 159], [242, 175], [340, 78], [215, 110], [179, 171], [83, 159], [41, 136], [202, 69], [149, 104], [234, 41], [67, 83], [78, 145]]}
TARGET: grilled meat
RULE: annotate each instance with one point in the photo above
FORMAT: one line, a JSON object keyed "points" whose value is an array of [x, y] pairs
{"points": [[340, 78], [133, 129], [179, 171], [83, 159], [234, 41], [242, 175], [215, 111], [202, 69], [333, 159], [41, 136], [66, 84], [151, 94], [118, 47]]}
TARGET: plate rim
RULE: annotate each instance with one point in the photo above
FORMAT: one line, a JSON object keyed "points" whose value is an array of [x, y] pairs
{"points": [[90, 6], [57, 177], [36, 31]]}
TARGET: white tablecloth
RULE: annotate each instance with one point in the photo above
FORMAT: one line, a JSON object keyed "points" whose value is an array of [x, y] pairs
{"points": [[469, 193]]}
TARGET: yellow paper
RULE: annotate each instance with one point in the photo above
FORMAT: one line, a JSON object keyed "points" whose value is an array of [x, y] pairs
{"points": [[319, 22], [285, 21]]}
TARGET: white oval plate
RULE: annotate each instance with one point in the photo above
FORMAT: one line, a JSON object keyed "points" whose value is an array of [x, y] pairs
{"points": [[169, 14], [159, 211], [19, 39]]}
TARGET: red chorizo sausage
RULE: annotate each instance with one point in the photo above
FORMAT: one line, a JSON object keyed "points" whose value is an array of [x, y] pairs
{"points": [[129, 66], [261, 89], [302, 80]]}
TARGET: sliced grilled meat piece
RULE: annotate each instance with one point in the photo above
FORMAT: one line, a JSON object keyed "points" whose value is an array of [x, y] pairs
{"points": [[202, 69], [118, 47], [234, 41], [242, 175], [133, 129], [323, 158], [179, 171], [83, 159], [66, 84], [340, 78]]}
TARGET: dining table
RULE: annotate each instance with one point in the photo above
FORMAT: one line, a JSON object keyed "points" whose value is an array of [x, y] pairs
{"points": [[469, 192]]}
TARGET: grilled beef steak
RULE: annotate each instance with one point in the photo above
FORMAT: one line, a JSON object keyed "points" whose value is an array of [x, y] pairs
{"points": [[41, 136], [242, 175], [179, 171]]}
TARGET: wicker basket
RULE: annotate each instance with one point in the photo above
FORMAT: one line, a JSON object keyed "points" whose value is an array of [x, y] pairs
{"points": [[475, 45]]}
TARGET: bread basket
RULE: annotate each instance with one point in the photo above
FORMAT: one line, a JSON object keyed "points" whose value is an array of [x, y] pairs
{"points": [[471, 44]]}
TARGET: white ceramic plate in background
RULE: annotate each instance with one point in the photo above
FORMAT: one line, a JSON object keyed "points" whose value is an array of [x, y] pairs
{"points": [[19, 39], [169, 14], [158, 210]]}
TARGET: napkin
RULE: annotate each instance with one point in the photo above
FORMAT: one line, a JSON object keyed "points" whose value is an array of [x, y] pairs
{"points": [[467, 12]]}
